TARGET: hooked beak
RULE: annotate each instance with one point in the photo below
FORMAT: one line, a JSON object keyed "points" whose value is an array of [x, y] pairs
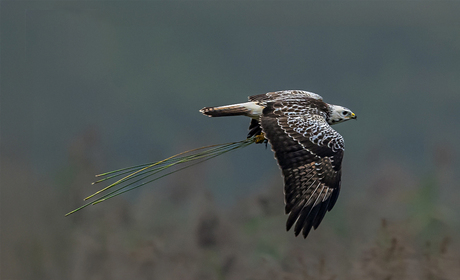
{"points": [[353, 116]]}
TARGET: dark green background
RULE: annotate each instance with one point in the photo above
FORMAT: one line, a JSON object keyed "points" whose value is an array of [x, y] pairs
{"points": [[90, 86]]}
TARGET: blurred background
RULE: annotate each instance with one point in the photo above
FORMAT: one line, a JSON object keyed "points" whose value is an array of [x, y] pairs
{"points": [[92, 86]]}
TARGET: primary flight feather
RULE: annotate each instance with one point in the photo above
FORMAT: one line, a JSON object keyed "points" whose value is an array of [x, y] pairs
{"points": [[297, 124]]}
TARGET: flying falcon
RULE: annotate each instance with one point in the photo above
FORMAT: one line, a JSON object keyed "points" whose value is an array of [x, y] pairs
{"points": [[297, 124]]}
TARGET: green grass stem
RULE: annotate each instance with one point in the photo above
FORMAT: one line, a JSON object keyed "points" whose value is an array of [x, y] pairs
{"points": [[139, 173]]}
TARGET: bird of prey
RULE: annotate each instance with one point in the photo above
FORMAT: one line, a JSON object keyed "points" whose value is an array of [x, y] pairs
{"points": [[297, 124]]}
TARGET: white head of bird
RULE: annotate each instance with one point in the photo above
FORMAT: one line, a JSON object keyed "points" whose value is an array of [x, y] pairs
{"points": [[339, 114]]}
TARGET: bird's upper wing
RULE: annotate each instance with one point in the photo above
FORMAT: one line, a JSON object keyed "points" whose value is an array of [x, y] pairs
{"points": [[283, 95], [309, 153]]}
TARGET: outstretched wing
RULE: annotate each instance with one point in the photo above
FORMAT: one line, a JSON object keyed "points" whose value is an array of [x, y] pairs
{"points": [[309, 153], [284, 95]]}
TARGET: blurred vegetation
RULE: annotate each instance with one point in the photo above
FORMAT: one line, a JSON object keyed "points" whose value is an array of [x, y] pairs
{"points": [[178, 231], [88, 87]]}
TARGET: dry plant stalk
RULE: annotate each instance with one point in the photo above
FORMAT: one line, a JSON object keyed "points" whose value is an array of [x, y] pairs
{"points": [[140, 175]]}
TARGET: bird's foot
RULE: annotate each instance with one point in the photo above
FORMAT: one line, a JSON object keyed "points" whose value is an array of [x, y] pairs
{"points": [[260, 138]]}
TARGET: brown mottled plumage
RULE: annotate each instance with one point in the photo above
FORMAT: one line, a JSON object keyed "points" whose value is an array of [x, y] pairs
{"points": [[309, 152]]}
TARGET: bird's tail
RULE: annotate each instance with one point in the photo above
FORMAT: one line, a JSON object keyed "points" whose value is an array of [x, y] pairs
{"points": [[250, 109], [223, 111]]}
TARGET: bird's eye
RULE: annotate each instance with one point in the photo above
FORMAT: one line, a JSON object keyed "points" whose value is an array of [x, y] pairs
{"points": [[345, 113]]}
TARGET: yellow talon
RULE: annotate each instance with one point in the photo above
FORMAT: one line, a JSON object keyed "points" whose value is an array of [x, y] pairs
{"points": [[260, 138]]}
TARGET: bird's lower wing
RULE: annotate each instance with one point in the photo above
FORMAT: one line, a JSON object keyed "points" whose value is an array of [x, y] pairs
{"points": [[311, 171]]}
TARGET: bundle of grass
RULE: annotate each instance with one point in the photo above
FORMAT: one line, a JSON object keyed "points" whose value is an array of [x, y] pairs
{"points": [[137, 176]]}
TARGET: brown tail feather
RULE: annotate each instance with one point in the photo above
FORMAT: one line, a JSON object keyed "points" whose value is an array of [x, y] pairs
{"points": [[222, 111]]}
